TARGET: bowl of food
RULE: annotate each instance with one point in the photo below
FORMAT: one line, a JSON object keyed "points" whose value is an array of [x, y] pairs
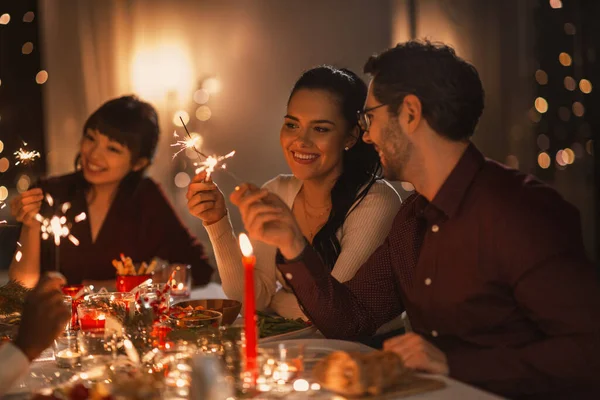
{"points": [[229, 308], [194, 319]]}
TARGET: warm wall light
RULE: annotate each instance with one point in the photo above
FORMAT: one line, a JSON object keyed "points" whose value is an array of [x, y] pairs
{"points": [[158, 72]]}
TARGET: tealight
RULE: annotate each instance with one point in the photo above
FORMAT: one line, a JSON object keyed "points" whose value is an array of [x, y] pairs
{"points": [[67, 358]]}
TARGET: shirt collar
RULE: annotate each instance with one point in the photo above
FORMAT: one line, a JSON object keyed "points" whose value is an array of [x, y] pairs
{"points": [[453, 190]]}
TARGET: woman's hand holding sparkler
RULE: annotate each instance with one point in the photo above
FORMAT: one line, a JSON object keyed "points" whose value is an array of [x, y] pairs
{"points": [[205, 200], [268, 219], [25, 206]]}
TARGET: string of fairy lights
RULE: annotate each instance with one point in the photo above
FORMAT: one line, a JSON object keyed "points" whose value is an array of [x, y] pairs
{"points": [[559, 110], [22, 155]]}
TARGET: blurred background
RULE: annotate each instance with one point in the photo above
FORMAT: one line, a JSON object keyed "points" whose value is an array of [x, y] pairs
{"points": [[227, 68]]}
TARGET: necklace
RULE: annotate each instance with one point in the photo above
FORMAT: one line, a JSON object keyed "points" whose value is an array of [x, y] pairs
{"points": [[307, 220]]}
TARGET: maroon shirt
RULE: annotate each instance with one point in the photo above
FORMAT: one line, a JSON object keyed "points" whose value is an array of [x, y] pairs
{"points": [[140, 224], [501, 286]]}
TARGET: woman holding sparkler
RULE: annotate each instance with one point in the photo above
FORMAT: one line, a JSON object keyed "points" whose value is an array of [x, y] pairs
{"points": [[335, 193], [126, 212]]}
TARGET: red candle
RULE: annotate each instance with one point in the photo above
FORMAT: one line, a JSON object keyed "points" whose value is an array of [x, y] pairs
{"points": [[249, 261], [92, 320]]}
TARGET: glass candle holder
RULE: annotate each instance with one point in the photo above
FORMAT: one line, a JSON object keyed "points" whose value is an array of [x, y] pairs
{"points": [[66, 350], [90, 317], [68, 302], [181, 281], [72, 291], [96, 346], [155, 296]]}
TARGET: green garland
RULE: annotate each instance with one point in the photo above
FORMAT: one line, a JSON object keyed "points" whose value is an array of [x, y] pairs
{"points": [[12, 298]]}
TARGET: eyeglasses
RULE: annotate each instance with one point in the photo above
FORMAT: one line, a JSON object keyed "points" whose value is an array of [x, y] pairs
{"points": [[363, 119]]}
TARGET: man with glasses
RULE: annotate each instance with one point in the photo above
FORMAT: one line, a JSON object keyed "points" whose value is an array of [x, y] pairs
{"points": [[487, 262]]}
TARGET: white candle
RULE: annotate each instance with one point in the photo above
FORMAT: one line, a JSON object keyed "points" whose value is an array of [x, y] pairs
{"points": [[67, 358]]}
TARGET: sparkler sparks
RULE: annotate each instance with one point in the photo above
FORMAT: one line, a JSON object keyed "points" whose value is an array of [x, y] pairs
{"points": [[18, 254], [211, 163], [57, 226], [189, 143], [25, 157]]}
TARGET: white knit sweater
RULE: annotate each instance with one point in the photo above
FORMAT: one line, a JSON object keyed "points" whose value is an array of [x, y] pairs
{"points": [[364, 230]]}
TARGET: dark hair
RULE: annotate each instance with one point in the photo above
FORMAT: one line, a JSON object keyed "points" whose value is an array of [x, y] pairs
{"points": [[448, 87], [361, 165], [129, 121]]}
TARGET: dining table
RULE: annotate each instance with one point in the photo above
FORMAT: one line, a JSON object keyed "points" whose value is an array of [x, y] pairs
{"points": [[452, 389]]}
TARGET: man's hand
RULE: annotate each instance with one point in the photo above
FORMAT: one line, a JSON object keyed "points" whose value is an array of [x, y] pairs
{"points": [[268, 219], [418, 354], [44, 316]]}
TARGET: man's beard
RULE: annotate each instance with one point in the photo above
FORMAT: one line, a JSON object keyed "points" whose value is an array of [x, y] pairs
{"points": [[395, 148]]}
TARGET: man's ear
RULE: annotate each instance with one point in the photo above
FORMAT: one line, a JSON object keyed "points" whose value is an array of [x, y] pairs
{"points": [[140, 164], [411, 113]]}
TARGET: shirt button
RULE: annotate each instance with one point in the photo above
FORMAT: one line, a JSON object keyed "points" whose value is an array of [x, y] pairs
{"points": [[288, 276], [435, 229], [427, 282], [434, 333]]}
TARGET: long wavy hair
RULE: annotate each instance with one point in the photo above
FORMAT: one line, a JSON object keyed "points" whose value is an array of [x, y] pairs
{"points": [[361, 165]]}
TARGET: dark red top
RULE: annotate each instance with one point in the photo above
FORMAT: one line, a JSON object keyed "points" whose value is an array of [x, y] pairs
{"points": [[501, 285], [140, 224]]}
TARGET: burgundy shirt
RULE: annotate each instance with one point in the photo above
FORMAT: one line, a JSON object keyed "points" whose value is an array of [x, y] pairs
{"points": [[501, 286], [140, 224]]}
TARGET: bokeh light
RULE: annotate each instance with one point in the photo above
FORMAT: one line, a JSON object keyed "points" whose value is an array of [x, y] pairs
{"points": [[41, 77], [556, 4], [203, 113], [570, 29], [569, 155], [201, 96], [570, 83], [212, 85], [565, 59], [27, 48], [181, 114], [4, 164], [28, 16], [1, 146], [3, 193], [4, 19], [182, 180], [541, 77], [578, 149], [544, 160], [585, 86], [589, 147], [541, 105], [23, 183], [578, 109]]}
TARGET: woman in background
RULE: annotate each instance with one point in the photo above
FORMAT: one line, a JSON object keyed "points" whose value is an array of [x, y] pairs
{"points": [[342, 206], [126, 212]]}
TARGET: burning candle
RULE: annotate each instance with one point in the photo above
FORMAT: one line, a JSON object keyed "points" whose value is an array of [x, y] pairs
{"points": [[249, 261], [91, 319], [67, 358]]}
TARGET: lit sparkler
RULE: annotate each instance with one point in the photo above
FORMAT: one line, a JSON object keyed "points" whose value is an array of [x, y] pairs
{"points": [[24, 156], [57, 226], [212, 163], [188, 143]]}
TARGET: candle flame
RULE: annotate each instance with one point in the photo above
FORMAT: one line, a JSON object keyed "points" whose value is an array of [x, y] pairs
{"points": [[245, 245]]}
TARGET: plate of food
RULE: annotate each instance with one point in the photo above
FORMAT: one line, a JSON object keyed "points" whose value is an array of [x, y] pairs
{"points": [[273, 328]]}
